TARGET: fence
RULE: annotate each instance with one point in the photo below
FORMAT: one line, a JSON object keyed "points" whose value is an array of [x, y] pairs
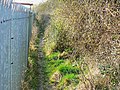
{"points": [[15, 30]]}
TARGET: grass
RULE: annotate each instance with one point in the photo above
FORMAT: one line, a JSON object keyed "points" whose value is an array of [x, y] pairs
{"points": [[63, 67], [31, 80], [67, 80], [68, 69], [53, 56]]}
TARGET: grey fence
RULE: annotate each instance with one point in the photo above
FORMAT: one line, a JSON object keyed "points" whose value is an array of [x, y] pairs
{"points": [[15, 30]]}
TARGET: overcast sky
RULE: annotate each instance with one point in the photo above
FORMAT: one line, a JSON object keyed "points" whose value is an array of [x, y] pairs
{"points": [[30, 1]]}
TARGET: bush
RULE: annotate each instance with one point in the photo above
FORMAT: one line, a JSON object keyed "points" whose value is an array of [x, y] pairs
{"points": [[90, 29]]}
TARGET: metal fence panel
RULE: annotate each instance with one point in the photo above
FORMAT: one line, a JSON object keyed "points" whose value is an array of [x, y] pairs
{"points": [[15, 30]]}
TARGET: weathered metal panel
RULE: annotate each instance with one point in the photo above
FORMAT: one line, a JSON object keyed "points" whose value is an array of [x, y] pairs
{"points": [[15, 30], [5, 48]]}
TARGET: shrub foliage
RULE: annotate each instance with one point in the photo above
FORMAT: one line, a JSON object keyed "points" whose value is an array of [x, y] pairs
{"points": [[89, 31]]}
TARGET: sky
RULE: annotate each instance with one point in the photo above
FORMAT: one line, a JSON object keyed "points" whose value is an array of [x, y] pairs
{"points": [[30, 1]]}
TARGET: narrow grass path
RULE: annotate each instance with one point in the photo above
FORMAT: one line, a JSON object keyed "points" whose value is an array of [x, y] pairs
{"points": [[41, 66], [43, 80]]}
